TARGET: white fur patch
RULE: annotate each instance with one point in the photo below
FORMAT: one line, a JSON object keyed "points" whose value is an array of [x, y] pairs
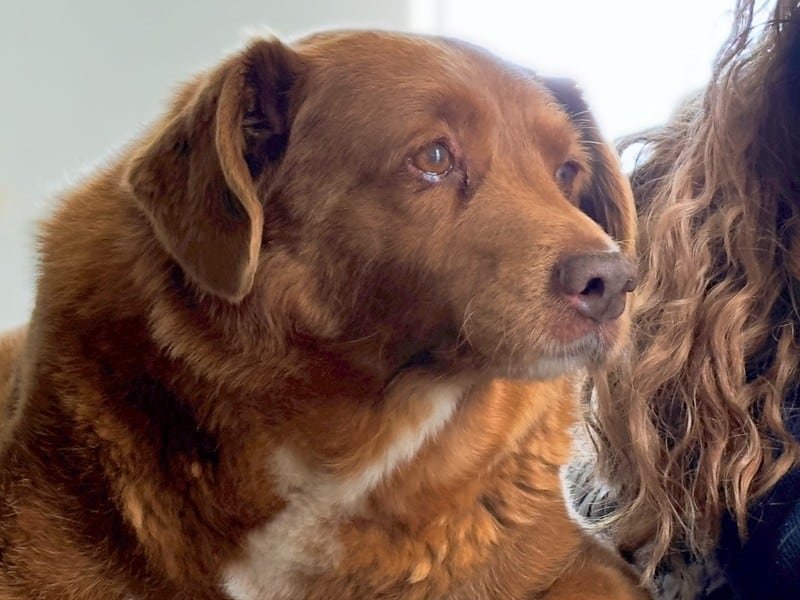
{"points": [[550, 368], [301, 540]]}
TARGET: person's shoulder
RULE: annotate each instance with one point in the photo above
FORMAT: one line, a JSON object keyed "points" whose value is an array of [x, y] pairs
{"points": [[766, 565]]}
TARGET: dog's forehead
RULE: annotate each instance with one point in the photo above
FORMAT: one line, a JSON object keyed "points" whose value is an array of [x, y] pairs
{"points": [[370, 60]]}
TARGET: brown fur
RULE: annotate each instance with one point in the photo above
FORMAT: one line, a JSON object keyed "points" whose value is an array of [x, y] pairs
{"points": [[11, 345], [263, 271]]}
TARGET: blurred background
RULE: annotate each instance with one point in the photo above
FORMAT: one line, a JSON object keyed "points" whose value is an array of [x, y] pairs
{"points": [[80, 78]]}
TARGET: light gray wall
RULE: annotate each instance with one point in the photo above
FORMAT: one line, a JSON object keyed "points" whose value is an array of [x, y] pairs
{"points": [[78, 78]]}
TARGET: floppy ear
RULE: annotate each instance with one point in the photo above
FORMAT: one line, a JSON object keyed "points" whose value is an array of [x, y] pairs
{"points": [[195, 177], [607, 198]]}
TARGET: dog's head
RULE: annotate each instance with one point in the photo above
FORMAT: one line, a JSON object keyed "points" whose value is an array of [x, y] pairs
{"points": [[415, 197]]}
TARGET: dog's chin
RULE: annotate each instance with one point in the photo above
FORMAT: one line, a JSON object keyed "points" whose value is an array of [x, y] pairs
{"points": [[537, 360], [555, 359]]}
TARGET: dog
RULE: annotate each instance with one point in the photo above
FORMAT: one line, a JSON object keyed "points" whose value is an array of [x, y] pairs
{"points": [[318, 334]]}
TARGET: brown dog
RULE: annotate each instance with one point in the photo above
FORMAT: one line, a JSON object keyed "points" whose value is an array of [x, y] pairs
{"points": [[265, 353]]}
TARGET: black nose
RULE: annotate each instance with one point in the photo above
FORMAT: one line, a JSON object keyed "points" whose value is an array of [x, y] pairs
{"points": [[596, 284]]}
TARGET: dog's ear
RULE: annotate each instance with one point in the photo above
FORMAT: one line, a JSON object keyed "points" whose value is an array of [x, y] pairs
{"points": [[607, 198], [196, 176]]}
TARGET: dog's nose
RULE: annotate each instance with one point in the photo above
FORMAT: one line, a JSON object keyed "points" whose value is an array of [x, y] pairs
{"points": [[596, 284]]}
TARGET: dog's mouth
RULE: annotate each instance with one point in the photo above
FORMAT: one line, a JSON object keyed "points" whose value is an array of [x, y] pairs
{"points": [[543, 360]]}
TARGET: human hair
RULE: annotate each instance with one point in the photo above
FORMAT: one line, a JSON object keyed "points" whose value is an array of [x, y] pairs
{"points": [[692, 424]]}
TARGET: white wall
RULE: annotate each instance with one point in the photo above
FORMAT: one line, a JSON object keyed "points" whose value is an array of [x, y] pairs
{"points": [[80, 77]]}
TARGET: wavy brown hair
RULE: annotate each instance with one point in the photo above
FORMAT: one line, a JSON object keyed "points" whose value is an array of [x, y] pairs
{"points": [[692, 425]]}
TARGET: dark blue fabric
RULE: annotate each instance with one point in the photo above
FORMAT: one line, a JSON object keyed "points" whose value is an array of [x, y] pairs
{"points": [[767, 565]]}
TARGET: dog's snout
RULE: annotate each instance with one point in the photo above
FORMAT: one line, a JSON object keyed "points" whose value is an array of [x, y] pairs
{"points": [[596, 284]]}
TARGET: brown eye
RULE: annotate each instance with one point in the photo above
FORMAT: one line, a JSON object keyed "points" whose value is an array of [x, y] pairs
{"points": [[566, 174], [434, 159]]}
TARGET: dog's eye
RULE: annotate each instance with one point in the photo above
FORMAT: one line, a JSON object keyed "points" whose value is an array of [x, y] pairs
{"points": [[566, 174], [434, 159]]}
